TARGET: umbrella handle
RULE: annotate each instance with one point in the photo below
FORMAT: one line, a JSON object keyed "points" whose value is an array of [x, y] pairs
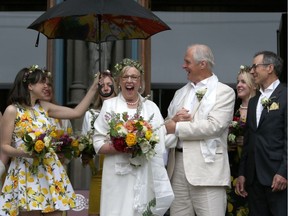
{"points": [[37, 40]]}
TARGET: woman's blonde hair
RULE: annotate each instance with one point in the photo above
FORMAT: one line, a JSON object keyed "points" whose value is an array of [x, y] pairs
{"points": [[248, 78]]}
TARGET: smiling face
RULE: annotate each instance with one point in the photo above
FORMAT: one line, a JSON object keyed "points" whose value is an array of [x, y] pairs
{"points": [[261, 72], [48, 92], [243, 89], [191, 66], [130, 82], [37, 90]]}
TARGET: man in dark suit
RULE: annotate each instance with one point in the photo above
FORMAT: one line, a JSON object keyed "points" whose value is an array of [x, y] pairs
{"points": [[263, 166]]}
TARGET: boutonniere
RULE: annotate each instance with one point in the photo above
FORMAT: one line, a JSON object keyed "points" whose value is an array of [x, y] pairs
{"points": [[200, 93], [267, 103]]}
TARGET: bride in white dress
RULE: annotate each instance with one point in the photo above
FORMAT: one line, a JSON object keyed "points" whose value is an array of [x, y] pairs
{"points": [[128, 190]]}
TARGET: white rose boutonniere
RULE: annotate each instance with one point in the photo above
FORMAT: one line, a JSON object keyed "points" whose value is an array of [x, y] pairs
{"points": [[200, 93]]}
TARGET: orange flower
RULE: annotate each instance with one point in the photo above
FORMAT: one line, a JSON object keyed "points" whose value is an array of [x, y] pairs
{"points": [[129, 125]]}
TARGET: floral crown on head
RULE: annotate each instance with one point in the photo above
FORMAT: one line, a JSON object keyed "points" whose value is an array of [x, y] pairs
{"points": [[32, 69], [128, 62], [244, 68]]}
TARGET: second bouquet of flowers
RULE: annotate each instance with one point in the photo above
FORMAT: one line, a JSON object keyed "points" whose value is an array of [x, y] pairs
{"points": [[64, 144], [132, 134]]}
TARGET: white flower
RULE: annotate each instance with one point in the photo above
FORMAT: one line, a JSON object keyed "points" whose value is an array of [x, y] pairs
{"points": [[234, 123], [231, 138], [154, 138], [122, 130], [145, 146], [81, 147], [33, 136], [47, 141], [200, 93], [150, 154], [144, 129], [264, 101], [242, 67]]}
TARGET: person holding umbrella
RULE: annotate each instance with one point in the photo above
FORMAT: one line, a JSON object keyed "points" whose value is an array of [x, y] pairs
{"points": [[39, 185], [134, 178]]}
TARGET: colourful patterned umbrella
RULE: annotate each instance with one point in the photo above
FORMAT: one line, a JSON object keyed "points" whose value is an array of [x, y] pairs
{"points": [[98, 21]]}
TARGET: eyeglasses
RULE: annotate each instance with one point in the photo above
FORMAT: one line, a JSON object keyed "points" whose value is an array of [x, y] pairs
{"points": [[254, 66], [133, 78]]}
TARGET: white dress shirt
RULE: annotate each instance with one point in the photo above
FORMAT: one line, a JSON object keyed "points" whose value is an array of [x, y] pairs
{"points": [[265, 93]]}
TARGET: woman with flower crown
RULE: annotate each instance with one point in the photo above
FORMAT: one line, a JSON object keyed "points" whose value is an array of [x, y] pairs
{"points": [[106, 89], [44, 189], [246, 89], [139, 185]]}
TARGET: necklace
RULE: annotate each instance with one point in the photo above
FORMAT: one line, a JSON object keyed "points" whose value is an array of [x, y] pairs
{"points": [[134, 103], [243, 107]]}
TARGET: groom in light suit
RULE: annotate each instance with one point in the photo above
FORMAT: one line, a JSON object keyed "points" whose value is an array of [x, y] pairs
{"points": [[199, 116], [263, 167]]}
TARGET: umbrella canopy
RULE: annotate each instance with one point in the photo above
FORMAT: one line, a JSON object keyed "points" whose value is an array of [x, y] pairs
{"points": [[98, 21]]}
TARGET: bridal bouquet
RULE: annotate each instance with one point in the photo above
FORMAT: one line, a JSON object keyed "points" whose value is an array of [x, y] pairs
{"points": [[132, 134], [37, 143]]}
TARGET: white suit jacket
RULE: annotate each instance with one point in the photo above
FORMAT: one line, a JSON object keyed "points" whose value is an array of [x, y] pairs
{"points": [[197, 171]]}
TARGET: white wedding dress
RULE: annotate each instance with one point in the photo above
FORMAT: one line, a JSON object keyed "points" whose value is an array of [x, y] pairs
{"points": [[127, 190]]}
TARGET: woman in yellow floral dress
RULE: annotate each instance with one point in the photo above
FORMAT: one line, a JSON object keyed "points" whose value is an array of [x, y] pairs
{"points": [[47, 190]]}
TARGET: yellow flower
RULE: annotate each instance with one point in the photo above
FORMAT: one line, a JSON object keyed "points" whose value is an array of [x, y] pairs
{"points": [[53, 134], [39, 146], [234, 182], [8, 188], [34, 204], [40, 199], [59, 133], [8, 205], [148, 134], [131, 139], [37, 133], [230, 207], [72, 202], [44, 191], [69, 130], [40, 175], [65, 201], [75, 143], [30, 191], [13, 212], [30, 179], [48, 209]]}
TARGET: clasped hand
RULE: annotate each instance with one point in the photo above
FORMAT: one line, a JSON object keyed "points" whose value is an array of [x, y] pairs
{"points": [[181, 115]]}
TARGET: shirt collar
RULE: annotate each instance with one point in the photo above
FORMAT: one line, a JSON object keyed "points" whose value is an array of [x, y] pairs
{"points": [[270, 88], [201, 84]]}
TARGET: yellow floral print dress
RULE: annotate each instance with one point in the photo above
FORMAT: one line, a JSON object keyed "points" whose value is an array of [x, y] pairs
{"points": [[49, 189]]}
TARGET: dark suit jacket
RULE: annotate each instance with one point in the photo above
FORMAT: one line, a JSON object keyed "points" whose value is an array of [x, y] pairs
{"points": [[265, 146]]}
